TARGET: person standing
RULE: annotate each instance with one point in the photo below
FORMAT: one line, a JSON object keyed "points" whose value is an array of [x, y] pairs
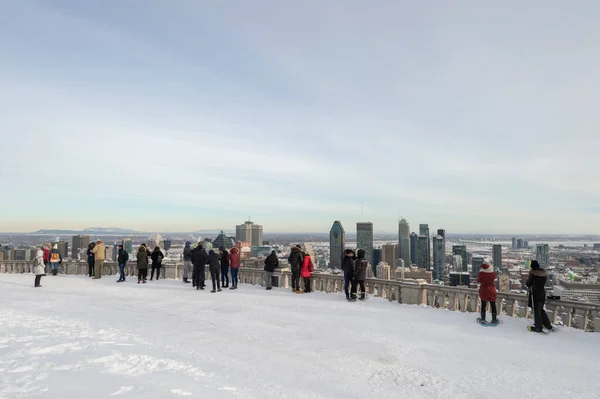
{"points": [[224, 257], [157, 258], [536, 282], [39, 267], [348, 268], [200, 259], [295, 260], [142, 264], [271, 263], [360, 275], [99, 253], [487, 291], [234, 263], [55, 260], [122, 259], [187, 261], [91, 258], [214, 267], [307, 269], [46, 248]]}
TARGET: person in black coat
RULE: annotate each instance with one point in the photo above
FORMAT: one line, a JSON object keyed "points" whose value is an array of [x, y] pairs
{"points": [[214, 266], [295, 260], [360, 275], [271, 263], [122, 260], [348, 268], [91, 258], [537, 296], [224, 257], [200, 259], [157, 257]]}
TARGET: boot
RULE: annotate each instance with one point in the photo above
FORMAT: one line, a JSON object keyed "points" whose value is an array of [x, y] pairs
{"points": [[213, 291], [185, 280], [232, 287], [362, 297], [494, 319]]}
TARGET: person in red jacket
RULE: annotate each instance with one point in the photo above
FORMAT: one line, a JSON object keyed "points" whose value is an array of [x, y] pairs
{"points": [[487, 291], [307, 269], [234, 264]]}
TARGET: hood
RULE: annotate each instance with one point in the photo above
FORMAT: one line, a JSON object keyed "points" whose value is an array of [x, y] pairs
{"points": [[535, 265], [361, 254], [142, 248], [99, 242], [273, 253], [295, 249], [187, 244], [234, 250], [39, 253], [486, 268], [156, 249], [539, 273]]}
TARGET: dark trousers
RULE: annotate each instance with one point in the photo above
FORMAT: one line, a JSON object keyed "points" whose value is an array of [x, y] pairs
{"points": [[214, 275], [91, 268], [38, 280], [157, 268], [348, 281], [540, 316], [484, 307], [122, 272], [234, 276], [355, 284], [224, 275], [198, 276], [295, 279], [142, 274], [307, 284]]}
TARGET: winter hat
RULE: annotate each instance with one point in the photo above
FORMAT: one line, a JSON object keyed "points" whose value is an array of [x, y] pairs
{"points": [[299, 246], [535, 265], [361, 253], [187, 244], [487, 268]]}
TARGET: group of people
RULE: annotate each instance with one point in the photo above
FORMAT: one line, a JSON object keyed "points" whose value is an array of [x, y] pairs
{"points": [[536, 283], [354, 265], [220, 264], [302, 266]]}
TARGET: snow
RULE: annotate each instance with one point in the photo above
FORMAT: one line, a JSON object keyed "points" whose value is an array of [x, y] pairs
{"points": [[77, 337]]}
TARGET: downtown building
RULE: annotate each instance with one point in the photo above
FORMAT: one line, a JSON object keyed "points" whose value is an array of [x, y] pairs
{"points": [[476, 263], [404, 247], [424, 231], [337, 244], [542, 255], [497, 256], [249, 232], [384, 271], [390, 255], [364, 239], [439, 257], [414, 245], [461, 250], [80, 242]]}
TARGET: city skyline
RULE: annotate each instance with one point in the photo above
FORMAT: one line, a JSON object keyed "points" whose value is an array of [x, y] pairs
{"points": [[104, 105]]}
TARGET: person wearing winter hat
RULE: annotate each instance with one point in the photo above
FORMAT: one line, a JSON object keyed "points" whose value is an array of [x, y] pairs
{"points": [[271, 263], [536, 282], [39, 267], [487, 291], [295, 260], [234, 263], [187, 261], [215, 268], [348, 268], [91, 258], [55, 260], [224, 258], [46, 248], [157, 258], [200, 259], [360, 275], [142, 264]]}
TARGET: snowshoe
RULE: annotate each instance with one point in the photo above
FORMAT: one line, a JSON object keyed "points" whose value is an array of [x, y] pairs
{"points": [[481, 321]]}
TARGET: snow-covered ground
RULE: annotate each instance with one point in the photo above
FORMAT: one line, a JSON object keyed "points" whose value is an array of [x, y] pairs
{"points": [[79, 338]]}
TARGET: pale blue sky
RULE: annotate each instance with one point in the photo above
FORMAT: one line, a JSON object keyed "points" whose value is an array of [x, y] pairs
{"points": [[473, 116]]}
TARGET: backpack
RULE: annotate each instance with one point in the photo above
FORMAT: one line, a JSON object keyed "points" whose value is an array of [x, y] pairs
{"points": [[54, 257]]}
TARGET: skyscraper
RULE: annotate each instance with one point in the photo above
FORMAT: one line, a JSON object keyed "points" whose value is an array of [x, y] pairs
{"points": [[439, 257], [257, 235], [128, 246], [542, 255], [389, 254], [364, 239], [476, 265], [376, 261], [422, 249], [167, 244], [497, 256], [461, 250], [337, 244], [424, 231], [414, 243], [79, 242], [249, 232], [514, 243], [404, 247], [384, 271]]}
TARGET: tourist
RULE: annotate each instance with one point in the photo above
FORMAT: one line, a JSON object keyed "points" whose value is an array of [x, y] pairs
{"points": [[142, 264], [307, 269], [46, 248], [39, 267], [348, 268], [537, 297], [234, 263], [271, 263], [157, 257], [98, 259], [224, 257], [187, 261], [360, 275], [55, 259], [91, 258], [487, 291], [122, 260], [214, 266], [200, 258], [295, 260]]}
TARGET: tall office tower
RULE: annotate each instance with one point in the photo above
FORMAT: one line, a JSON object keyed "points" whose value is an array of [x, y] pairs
{"points": [[519, 243], [462, 251], [337, 244], [249, 232], [497, 256], [257, 235], [376, 260], [542, 255], [167, 244], [525, 244], [404, 247], [476, 265], [439, 257], [63, 248], [79, 242], [389, 254], [422, 249], [457, 263], [115, 253], [514, 243], [384, 271], [128, 246], [414, 243], [364, 239], [424, 231]]}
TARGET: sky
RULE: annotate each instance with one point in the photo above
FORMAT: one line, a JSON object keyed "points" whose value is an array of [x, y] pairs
{"points": [[186, 115]]}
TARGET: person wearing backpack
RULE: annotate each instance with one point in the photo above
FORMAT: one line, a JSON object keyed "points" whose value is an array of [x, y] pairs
{"points": [[55, 259], [122, 259], [157, 257], [271, 263]]}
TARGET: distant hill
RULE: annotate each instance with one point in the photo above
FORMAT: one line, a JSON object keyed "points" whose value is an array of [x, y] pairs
{"points": [[89, 231]]}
